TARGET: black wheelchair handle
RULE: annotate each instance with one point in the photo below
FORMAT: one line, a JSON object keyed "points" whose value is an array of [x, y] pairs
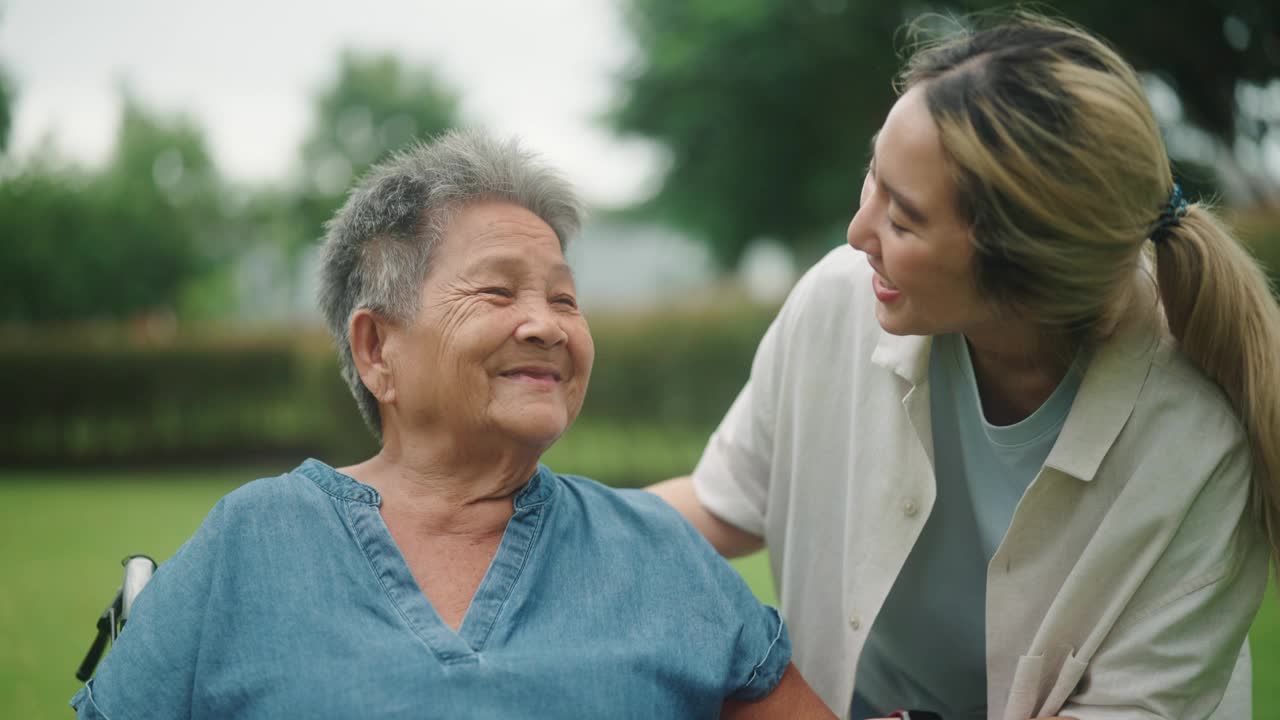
{"points": [[137, 571], [106, 631]]}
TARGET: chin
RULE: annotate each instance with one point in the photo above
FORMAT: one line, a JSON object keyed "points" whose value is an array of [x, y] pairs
{"points": [[894, 324], [537, 428]]}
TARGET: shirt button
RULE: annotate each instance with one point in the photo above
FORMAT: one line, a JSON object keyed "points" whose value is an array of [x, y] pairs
{"points": [[855, 622], [909, 507]]}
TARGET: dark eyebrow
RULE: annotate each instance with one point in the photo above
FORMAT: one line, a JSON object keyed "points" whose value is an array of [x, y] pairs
{"points": [[913, 213]]}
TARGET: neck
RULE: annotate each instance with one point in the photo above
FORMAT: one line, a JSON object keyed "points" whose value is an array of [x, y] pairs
{"points": [[440, 487], [1017, 367]]}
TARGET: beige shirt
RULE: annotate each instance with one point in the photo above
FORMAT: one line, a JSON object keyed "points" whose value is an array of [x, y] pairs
{"points": [[1129, 575]]}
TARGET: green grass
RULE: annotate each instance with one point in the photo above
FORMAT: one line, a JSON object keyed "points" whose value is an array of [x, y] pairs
{"points": [[63, 537], [1264, 641], [63, 534]]}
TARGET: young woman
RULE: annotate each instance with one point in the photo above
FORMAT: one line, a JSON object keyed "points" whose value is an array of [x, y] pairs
{"points": [[1016, 451]]}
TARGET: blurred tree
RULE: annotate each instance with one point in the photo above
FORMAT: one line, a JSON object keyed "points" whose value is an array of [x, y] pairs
{"points": [[374, 106], [767, 106], [1211, 53], [6, 110], [166, 195], [46, 223], [117, 242]]}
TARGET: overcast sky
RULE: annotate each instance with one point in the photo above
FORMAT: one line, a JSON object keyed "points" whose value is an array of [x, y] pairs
{"points": [[246, 70]]}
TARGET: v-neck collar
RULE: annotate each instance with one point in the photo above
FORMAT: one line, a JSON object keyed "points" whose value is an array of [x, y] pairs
{"points": [[496, 588]]}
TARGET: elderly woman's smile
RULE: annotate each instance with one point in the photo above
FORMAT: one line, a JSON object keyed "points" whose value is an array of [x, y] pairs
{"points": [[498, 351], [539, 377]]}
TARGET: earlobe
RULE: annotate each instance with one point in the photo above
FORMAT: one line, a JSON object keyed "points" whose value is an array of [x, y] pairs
{"points": [[368, 334]]}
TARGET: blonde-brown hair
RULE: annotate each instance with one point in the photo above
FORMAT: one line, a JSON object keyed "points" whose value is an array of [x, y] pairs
{"points": [[1062, 173]]}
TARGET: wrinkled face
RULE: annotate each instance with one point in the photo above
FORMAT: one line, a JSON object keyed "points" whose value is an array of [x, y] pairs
{"points": [[911, 231], [498, 351]]}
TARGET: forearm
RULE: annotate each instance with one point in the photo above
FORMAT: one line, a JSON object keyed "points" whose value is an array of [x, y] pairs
{"points": [[729, 540]]}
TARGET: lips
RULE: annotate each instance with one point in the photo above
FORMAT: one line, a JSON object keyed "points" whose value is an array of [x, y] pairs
{"points": [[885, 290], [533, 373]]}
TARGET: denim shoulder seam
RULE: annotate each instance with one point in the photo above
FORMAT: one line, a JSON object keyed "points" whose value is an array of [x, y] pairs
{"points": [[97, 711], [755, 671]]}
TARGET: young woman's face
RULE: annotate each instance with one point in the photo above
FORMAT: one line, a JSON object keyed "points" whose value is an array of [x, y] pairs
{"points": [[909, 227]]}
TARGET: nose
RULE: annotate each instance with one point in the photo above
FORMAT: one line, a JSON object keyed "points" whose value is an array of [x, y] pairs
{"points": [[861, 234], [541, 327]]}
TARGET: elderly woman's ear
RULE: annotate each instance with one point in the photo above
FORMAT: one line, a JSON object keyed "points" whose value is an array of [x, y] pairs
{"points": [[368, 332]]}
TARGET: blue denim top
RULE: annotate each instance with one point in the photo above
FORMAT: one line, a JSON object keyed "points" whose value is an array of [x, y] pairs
{"points": [[292, 600]]}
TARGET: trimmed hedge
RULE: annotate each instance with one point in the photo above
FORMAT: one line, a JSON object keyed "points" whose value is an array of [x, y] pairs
{"points": [[81, 398], [238, 400], [683, 369], [196, 402]]}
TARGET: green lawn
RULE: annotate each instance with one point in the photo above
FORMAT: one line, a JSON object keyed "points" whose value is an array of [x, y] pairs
{"points": [[62, 536]]}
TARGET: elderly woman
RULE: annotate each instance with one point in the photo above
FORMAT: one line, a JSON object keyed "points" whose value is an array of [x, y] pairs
{"points": [[450, 575]]}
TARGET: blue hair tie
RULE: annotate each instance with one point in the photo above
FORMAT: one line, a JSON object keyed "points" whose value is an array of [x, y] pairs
{"points": [[1170, 217]]}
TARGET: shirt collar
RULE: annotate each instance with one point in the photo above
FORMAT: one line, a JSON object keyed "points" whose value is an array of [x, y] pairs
{"points": [[1106, 399], [337, 484], [1107, 396], [907, 356], [538, 490]]}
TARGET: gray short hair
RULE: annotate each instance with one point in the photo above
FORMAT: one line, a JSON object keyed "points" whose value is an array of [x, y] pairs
{"points": [[378, 247]]}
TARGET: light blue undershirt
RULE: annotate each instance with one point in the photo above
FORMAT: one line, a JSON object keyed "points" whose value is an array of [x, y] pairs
{"points": [[927, 650]]}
